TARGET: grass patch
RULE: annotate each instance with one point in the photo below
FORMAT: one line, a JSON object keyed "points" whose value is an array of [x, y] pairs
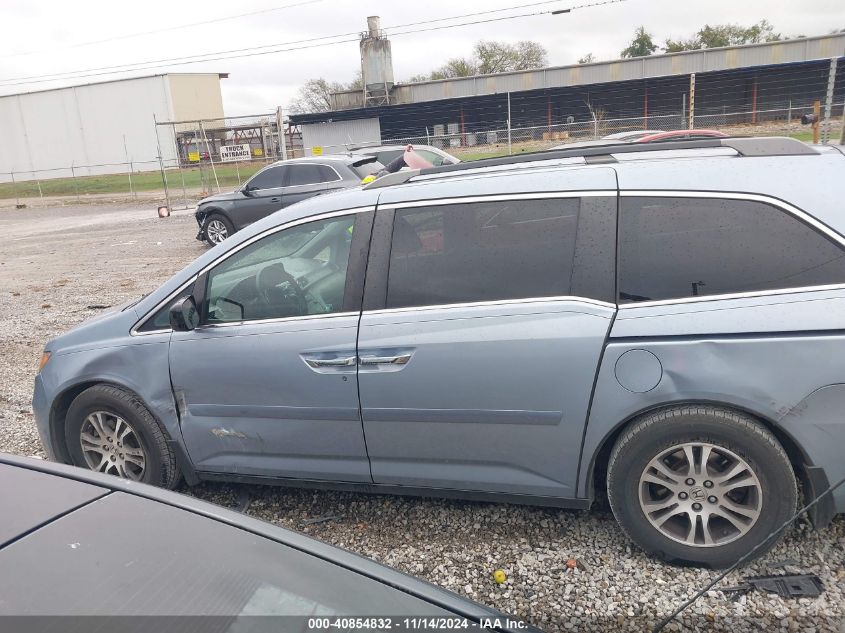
{"points": [[807, 136], [467, 156]]}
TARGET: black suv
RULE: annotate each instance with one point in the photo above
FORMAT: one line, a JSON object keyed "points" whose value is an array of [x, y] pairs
{"points": [[277, 186]]}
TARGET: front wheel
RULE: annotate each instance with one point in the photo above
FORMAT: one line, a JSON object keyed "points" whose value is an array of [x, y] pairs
{"points": [[702, 485], [217, 228], [108, 430]]}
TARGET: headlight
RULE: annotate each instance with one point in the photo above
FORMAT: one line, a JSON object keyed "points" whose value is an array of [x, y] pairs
{"points": [[44, 358]]}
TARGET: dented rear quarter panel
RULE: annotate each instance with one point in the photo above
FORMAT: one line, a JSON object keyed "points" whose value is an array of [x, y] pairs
{"points": [[780, 358]]}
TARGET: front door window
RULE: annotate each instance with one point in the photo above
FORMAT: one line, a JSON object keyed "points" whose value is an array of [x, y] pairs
{"points": [[295, 272]]}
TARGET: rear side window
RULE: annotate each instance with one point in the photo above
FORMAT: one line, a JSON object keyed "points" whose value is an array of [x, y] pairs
{"points": [[304, 175], [672, 248], [489, 251]]}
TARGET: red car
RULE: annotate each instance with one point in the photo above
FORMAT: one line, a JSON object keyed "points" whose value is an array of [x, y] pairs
{"points": [[681, 135]]}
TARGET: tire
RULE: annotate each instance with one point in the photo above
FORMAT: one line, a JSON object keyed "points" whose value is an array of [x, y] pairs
{"points": [[734, 514], [95, 413], [217, 228]]}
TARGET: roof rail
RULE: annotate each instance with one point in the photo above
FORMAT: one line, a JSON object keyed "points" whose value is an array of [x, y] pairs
{"points": [[744, 146]]}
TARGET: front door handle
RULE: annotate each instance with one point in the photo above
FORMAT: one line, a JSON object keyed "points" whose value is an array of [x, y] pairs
{"points": [[331, 362], [275, 199], [401, 359]]}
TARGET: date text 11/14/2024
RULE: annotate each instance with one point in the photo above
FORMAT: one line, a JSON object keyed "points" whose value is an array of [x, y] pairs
{"points": [[414, 623]]}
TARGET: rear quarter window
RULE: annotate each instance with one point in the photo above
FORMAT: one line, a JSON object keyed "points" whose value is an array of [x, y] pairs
{"points": [[675, 248], [365, 169]]}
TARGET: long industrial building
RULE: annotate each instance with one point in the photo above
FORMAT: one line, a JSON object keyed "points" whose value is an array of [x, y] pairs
{"points": [[97, 128], [738, 84]]}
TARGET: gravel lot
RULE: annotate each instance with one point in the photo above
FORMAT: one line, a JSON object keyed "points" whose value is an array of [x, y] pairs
{"points": [[58, 264]]}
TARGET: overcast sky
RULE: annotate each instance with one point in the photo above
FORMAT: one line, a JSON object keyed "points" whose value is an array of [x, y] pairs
{"points": [[54, 36]]}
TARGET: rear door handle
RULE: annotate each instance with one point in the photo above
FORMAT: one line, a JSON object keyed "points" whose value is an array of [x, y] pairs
{"points": [[401, 359], [331, 362]]}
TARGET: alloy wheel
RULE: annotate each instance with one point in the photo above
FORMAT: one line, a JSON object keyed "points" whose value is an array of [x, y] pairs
{"points": [[110, 445], [216, 231], [700, 494]]}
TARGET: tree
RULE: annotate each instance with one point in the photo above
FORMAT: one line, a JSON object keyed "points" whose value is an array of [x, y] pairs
{"points": [[641, 46], [676, 46], [501, 57], [725, 35], [529, 55], [456, 67], [589, 58], [315, 94], [417, 78], [492, 57]]}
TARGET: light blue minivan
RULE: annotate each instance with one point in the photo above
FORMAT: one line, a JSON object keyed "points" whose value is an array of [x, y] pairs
{"points": [[663, 320]]}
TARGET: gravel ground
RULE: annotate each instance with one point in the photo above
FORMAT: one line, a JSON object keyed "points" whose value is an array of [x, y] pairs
{"points": [[58, 264]]}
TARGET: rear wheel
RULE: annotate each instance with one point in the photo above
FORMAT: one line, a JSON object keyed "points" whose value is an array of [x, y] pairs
{"points": [[108, 430], [700, 484], [217, 228]]}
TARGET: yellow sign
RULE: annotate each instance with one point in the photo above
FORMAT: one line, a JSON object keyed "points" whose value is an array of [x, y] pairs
{"points": [[193, 157], [257, 151], [317, 151]]}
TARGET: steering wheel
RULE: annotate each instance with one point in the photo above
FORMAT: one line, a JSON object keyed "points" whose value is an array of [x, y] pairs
{"points": [[270, 291]]}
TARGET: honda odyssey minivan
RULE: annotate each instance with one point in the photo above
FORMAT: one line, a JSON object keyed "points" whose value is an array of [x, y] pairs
{"points": [[665, 322]]}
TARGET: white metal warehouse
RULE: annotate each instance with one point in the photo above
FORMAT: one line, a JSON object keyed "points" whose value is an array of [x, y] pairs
{"points": [[98, 128]]}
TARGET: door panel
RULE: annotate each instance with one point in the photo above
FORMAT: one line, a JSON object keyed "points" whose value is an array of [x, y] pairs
{"points": [[265, 197], [267, 385], [491, 398], [485, 322], [298, 193], [258, 205], [251, 404]]}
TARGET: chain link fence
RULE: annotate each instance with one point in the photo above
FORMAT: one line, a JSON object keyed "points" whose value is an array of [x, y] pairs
{"points": [[198, 158], [193, 159], [504, 140]]}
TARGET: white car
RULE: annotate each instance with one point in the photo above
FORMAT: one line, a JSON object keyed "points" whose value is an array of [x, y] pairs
{"points": [[386, 153]]}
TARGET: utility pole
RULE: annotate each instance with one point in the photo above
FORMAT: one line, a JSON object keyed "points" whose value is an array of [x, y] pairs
{"points": [[210, 155], [828, 103], [509, 123], [691, 124], [161, 165]]}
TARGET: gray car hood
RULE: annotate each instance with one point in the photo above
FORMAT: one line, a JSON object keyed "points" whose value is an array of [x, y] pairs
{"points": [[220, 197]]}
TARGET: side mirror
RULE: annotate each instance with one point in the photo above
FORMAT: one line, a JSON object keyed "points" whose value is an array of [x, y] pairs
{"points": [[184, 315], [247, 190]]}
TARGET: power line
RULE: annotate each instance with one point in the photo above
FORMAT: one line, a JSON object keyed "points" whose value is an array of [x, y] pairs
{"points": [[233, 52], [288, 46], [177, 27]]}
